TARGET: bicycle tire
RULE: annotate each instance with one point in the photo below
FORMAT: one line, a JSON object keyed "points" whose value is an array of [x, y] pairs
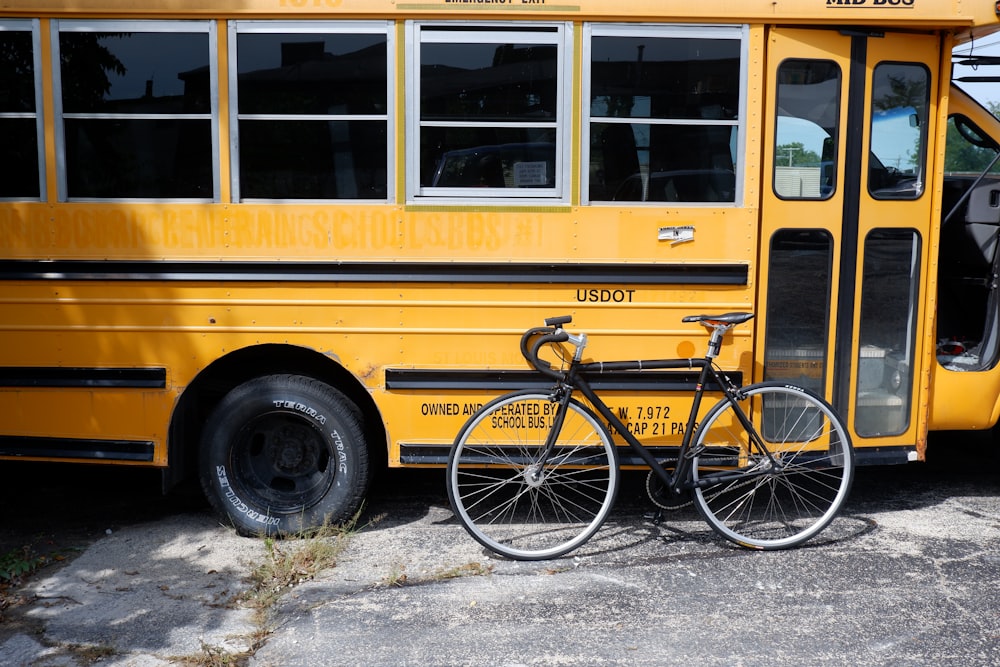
{"points": [[505, 507], [788, 504]]}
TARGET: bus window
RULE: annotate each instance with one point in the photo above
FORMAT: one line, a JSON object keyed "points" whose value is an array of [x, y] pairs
{"points": [[489, 111], [20, 176], [136, 110], [664, 114], [311, 110], [798, 307], [898, 131], [887, 331], [806, 129]]}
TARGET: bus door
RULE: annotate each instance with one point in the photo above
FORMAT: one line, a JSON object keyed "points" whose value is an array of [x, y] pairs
{"points": [[846, 214]]}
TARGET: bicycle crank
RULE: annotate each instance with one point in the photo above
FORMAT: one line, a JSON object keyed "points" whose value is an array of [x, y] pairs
{"points": [[659, 496]]}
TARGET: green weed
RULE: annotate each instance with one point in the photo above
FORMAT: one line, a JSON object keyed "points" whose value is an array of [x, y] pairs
{"points": [[17, 563]]}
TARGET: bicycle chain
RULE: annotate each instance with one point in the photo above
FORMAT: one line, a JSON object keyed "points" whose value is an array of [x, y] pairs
{"points": [[654, 496]]}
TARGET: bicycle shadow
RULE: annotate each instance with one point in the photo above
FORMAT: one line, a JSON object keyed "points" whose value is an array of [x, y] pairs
{"points": [[684, 536], [406, 497], [631, 528]]}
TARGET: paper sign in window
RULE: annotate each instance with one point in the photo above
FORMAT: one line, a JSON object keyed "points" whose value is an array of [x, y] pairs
{"points": [[529, 174]]}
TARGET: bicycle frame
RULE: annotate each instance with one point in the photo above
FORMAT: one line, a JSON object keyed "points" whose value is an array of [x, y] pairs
{"points": [[681, 479], [529, 502]]}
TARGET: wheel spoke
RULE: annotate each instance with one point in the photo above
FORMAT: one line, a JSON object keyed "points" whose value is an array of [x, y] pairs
{"points": [[793, 486], [517, 505]]}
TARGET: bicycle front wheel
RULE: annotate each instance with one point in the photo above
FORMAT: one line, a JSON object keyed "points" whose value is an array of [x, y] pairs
{"points": [[783, 487], [514, 503]]}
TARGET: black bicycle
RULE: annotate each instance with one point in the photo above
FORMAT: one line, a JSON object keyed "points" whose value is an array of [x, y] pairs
{"points": [[533, 474]]}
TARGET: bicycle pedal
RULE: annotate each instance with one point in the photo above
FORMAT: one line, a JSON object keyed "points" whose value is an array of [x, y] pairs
{"points": [[656, 517]]}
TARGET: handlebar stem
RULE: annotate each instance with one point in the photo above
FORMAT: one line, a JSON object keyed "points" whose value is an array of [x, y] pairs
{"points": [[580, 342]]}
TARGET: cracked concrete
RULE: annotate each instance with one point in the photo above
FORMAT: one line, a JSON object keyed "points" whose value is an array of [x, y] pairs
{"points": [[145, 595]]}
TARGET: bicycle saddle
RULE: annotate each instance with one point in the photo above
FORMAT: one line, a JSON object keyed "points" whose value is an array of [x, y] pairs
{"points": [[728, 318]]}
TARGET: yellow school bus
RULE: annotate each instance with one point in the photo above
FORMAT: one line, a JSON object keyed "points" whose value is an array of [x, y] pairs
{"points": [[281, 244]]}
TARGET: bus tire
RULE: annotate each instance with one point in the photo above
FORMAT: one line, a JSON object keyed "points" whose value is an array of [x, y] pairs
{"points": [[282, 455]]}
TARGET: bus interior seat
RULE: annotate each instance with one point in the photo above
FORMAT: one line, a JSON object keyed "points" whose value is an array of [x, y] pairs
{"points": [[620, 159], [982, 220], [984, 203], [722, 158], [488, 172], [878, 175]]}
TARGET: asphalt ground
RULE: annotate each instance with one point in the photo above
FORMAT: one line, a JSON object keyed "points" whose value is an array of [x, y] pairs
{"points": [[908, 575]]}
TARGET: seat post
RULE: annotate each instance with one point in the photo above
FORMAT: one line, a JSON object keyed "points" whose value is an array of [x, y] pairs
{"points": [[715, 342]]}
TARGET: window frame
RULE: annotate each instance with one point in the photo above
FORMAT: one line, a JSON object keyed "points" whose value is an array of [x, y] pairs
{"points": [[736, 32], [34, 27], [560, 35], [385, 28], [141, 26]]}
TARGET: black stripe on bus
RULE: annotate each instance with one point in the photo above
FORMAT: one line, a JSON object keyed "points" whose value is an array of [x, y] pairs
{"points": [[77, 448], [434, 379], [115, 378], [378, 272], [414, 453], [428, 454]]}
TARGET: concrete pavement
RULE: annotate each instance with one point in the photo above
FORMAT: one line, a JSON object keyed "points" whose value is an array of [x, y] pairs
{"points": [[909, 575]]}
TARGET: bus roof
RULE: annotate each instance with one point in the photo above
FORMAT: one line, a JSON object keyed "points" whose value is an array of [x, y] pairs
{"points": [[936, 13]]}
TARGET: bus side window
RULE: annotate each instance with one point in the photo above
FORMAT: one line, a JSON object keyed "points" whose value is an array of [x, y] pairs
{"points": [[20, 173], [664, 113], [124, 132], [490, 109], [311, 122], [898, 131], [805, 139]]}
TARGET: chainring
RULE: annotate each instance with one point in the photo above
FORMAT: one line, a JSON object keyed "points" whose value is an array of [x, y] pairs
{"points": [[658, 495]]}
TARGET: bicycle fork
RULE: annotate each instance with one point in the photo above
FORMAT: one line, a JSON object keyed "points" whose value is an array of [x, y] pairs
{"points": [[534, 473]]}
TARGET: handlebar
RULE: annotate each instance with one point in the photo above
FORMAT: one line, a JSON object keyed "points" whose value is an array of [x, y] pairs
{"points": [[552, 333]]}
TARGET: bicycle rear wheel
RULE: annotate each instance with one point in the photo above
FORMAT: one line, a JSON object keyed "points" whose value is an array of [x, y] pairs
{"points": [[511, 502], [777, 501]]}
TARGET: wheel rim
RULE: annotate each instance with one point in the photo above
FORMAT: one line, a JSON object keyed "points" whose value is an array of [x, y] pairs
{"points": [[522, 510], [787, 504], [282, 461]]}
